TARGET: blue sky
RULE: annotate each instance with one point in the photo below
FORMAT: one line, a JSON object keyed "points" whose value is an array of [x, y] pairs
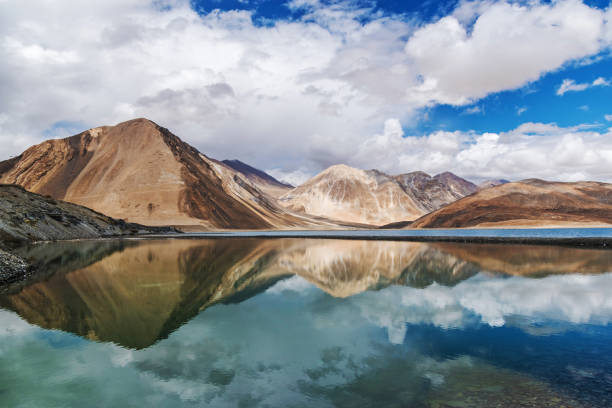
{"points": [[266, 10], [536, 102], [483, 88], [498, 112]]}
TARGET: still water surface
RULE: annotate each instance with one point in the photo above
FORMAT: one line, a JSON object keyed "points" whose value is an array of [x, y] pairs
{"points": [[307, 322]]}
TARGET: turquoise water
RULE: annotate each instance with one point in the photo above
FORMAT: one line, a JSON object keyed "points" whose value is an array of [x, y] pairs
{"points": [[308, 322], [394, 233]]}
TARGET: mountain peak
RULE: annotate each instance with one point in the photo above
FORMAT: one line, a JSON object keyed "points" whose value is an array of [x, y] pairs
{"points": [[342, 170], [141, 172], [143, 121], [446, 175]]}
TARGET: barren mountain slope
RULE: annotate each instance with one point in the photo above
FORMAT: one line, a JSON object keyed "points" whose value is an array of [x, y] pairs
{"points": [[372, 197], [261, 179], [435, 192], [141, 172], [353, 195], [527, 203]]}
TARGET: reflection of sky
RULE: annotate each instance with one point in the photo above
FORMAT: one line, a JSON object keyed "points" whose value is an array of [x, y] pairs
{"points": [[295, 343]]}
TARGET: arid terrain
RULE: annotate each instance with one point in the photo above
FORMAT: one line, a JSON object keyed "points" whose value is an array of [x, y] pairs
{"points": [[528, 203], [140, 172], [372, 197]]}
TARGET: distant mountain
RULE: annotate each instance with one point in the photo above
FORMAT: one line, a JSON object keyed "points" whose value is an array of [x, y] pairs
{"points": [[261, 179], [373, 197], [492, 183], [141, 172], [527, 203], [435, 192]]}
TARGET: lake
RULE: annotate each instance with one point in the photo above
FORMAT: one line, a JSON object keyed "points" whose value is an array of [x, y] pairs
{"points": [[301, 322]]}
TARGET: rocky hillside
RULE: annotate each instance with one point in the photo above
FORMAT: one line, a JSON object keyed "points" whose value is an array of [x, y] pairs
{"points": [[527, 203], [26, 217], [372, 197], [141, 172], [435, 192], [261, 179]]}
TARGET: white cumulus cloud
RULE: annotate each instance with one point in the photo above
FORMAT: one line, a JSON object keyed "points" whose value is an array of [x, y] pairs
{"points": [[570, 153], [509, 45], [293, 96]]}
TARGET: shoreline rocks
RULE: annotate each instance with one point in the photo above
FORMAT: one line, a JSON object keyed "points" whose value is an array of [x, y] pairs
{"points": [[12, 268], [27, 217]]}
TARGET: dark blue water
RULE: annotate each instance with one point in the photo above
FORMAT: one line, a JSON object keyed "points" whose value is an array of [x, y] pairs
{"points": [[298, 322]]}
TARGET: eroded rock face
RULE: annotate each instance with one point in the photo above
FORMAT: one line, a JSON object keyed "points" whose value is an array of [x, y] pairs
{"points": [[435, 192], [141, 172], [527, 203], [375, 198]]}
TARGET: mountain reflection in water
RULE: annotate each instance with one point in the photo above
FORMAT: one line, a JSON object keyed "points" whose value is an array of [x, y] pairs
{"points": [[134, 293], [323, 322]]}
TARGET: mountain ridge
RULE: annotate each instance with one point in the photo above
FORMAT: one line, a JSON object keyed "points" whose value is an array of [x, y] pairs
{"points": [[527, 203], [373, 197], [143, 173], [140, 171]]}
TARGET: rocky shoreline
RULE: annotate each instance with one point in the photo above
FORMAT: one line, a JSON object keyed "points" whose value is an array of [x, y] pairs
{"points": [[27, 217], [12, 268]]}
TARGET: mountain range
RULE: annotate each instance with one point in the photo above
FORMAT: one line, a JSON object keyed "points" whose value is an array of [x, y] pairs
{"points": [[373, 197], [140, 172]]}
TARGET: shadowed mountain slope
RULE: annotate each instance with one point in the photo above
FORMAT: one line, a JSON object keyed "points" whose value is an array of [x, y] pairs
{"points": [[261, 179], [492, 183], [143, 173]]}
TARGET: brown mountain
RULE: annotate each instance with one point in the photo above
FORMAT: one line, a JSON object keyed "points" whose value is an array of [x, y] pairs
{"points": [[141, 172], [372, 197], [261, 179], [527, 203], [435, 192]]}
